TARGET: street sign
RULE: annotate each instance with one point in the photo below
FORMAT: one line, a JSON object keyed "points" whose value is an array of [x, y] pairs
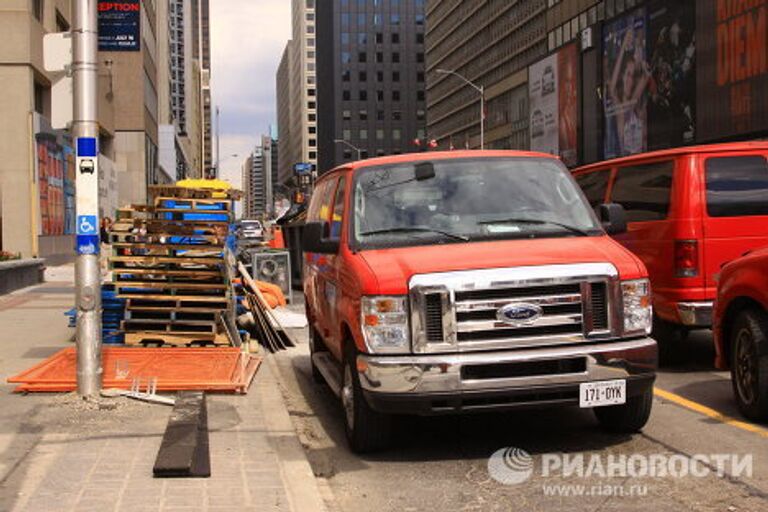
{"points": [[87, 184], [302, 168], [57, 51]]}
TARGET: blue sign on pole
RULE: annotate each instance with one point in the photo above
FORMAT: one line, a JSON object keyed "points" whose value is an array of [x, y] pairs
{"points": [[87, 244], [87, 147], [302, 168], [87, 225], [120, 26]]}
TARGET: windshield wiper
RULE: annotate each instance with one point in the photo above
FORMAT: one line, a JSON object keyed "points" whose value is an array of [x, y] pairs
{"points": [[416, 230], [572, 229]]}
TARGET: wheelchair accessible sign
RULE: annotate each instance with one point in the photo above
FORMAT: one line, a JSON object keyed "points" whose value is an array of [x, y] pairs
{"points": [[87, 205], [87, 234]]}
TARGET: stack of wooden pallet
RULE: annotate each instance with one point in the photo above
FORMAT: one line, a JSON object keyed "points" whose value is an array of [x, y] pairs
{"points": [[169, 267]]}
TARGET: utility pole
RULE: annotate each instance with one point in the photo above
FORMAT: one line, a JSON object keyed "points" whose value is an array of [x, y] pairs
{"points": [[85, 129], [481, 90], [218, 140]]}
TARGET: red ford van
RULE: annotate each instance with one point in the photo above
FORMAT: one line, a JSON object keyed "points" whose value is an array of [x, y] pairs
{"points": [[689, 211], [466, 281]]}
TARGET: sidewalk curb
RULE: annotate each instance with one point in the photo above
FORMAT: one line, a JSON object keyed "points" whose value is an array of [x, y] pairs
{"points": [[299, 480]]}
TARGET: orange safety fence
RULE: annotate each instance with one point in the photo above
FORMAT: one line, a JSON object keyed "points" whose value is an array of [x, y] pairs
{"points": [[224, 369]]}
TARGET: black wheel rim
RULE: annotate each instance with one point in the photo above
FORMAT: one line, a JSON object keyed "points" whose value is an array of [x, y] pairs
{"points": [[745, 366]]}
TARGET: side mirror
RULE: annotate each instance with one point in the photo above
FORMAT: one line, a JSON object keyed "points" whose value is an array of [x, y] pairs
{"points": [[614, 218], [313, 239]]}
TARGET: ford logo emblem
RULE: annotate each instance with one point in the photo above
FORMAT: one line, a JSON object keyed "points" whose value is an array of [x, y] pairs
{"points": [[519, 314]]}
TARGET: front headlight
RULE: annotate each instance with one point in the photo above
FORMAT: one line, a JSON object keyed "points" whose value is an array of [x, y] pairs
{"points": [[385, 324], [636, 295]]}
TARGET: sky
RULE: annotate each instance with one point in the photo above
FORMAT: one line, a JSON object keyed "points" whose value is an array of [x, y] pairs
{"points": [[247, 41]]}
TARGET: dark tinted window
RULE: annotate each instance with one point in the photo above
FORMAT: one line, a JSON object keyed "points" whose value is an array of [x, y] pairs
{"points": [[338, 211], [644, 190], [594, 184], [737, 186]]}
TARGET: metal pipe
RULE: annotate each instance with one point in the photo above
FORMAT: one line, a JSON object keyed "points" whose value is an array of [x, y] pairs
{"points": [[342, 141], [85, 129]]}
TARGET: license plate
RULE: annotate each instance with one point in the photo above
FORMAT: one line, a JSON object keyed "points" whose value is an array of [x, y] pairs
{"points": [[598, 394]]}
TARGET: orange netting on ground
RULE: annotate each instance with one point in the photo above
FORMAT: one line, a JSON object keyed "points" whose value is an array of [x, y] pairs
{"points": [[225, 369]]}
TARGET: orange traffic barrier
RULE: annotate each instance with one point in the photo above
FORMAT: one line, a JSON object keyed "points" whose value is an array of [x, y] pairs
{"points": [[278, 241], [224, 369]]}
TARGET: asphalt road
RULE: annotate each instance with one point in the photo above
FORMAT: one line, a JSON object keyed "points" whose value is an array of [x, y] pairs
{"points": [[441, 463]]}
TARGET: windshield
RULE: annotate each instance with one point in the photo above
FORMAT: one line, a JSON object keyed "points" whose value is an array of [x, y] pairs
{"points": [[468, 199]]}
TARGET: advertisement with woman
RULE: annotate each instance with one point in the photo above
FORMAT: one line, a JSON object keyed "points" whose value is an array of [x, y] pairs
{"points": [[626, 74]]}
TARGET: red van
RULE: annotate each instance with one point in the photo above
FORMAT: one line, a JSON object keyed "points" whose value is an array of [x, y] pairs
{"points": [[689, 210], [741, 331], [466, 281]]}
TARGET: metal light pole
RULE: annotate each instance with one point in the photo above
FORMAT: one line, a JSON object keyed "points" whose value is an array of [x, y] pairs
{"points": [[478, 88], [85, 129], [218, 141], [347, 143]]}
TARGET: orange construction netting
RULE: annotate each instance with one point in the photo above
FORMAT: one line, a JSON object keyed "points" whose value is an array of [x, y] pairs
{"points": [[225, 369]]}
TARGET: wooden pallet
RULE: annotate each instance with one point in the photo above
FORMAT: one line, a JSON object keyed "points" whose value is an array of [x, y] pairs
{"points": [[169, 285], [161, 272], [175, 340], [150, 259], [192, 202], [177, 301], [172, 315], [190, 327]]}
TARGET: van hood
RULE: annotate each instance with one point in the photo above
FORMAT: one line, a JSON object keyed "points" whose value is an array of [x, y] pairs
{"points": [[394, 268]]}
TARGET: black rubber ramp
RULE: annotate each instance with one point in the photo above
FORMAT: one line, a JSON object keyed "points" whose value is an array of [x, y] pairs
{"points": [[184, 451]]}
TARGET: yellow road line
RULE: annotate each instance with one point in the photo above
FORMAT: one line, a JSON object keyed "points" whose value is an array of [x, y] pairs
{"points": [[706, 411]]}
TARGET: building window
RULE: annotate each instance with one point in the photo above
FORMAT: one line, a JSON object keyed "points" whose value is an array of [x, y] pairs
{"points": [[313, 155], [396, 57], [379, 76], [346, 135], [377, 20], [312, 130], [395, 95], [362, 38], [312, 118], [362, 76], [345, 19], [394, 19], [362, 57], [347, 154], [311, 54], [311, 92], [397, 115], [363, 115], [421, 115], [345, 75], [395, 38], [420, 57], [395, 76], [361, 20], [61, 24], [396, 134], [311, 42], [311, 105], [419, 19], [313, 143], [420, 96], [37, 9], [346, 115], [380, 114], [420, 38], [363, 134], [420, 76], [345, 38], [346, 95], [346, 57], [379, 152], [379, 57], [363, 95], [379, 38], [379, 95], [310, 29], [379, 134]]}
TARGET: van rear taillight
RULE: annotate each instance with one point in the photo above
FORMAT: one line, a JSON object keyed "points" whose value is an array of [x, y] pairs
{"points": [[686, 258]]}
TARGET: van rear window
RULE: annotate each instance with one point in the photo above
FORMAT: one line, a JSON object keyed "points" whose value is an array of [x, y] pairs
{"points": [[644, 190], [737, 186], [593, 184]]}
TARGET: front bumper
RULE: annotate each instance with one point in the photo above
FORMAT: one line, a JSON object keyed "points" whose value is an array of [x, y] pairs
{"points": [[434, 384], [695, 314]]}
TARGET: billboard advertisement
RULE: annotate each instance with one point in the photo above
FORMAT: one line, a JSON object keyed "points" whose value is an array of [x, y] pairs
{"points": [[120, 26], [732, 71], [568, 104], [542, 94], [672, 87], [625, 75]]}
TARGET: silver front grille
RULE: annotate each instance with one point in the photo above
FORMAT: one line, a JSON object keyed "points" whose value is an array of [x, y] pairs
{"points": [[459, 311]]}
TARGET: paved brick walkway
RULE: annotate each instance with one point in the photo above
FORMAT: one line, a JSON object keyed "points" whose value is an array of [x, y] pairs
{"points": [[59, 454]]}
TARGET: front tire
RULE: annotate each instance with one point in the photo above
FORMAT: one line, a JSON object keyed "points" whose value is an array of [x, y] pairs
{"points": [[749, 364], [629, 417], [366, 429]]}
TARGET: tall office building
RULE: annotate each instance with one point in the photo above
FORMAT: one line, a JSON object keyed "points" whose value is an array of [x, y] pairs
{"points": [[297, 77], [371, 90], [491, 44], [37, 167], [203, 46], [179, 91], [257, 180]]}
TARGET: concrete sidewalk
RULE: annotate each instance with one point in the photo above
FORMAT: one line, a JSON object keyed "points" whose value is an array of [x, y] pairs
{"points": [[58, 453]]}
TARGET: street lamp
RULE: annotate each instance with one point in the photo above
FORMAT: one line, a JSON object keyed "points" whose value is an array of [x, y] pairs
{"points": [[347, 143], [478, 88]]}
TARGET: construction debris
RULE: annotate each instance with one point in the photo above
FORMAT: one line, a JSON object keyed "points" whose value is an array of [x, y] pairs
{"points": [[267, 329]]}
